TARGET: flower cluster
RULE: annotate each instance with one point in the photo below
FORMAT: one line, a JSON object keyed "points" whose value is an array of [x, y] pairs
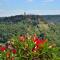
{"points": [[7, 51], [22, 43], [2, 48], [22, 38], [38, 42]]}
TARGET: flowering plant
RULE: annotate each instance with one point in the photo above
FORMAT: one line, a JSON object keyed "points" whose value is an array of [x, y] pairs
{"points": [[29, 48]]}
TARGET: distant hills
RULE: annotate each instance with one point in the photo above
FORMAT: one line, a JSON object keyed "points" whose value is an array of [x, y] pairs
{"points": [[52, 18], [17, 18]]}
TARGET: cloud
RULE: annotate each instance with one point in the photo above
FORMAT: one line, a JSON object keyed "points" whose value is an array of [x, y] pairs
{"points": [[10, 12], [35, 12], [49, 12]]}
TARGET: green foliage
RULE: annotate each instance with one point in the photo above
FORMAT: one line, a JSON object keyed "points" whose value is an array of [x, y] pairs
{"points": [[27, 26]]}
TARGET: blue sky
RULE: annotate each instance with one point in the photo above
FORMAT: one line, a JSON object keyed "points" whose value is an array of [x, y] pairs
{"points": [[41, 7]]}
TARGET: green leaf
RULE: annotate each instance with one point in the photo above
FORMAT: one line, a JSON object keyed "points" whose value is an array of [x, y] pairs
{"points": [[30, 44]]}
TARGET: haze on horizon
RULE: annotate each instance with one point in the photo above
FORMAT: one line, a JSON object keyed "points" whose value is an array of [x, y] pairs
{"points": [[37, 7]]}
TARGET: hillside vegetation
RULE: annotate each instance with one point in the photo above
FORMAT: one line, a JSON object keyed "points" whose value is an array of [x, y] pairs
{"points": [[27, 25], [17, 32]]}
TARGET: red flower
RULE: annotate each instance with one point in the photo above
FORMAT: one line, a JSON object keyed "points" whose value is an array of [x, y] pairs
{"points": [[22, 38], [38, 42], [13, 58], [8, 54], [3, 49], [14, 51], [34, 37], [35, 48]]}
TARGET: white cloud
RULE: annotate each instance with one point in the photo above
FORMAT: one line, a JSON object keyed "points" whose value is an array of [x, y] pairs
{"points": [[10, 12], [36, 12]]}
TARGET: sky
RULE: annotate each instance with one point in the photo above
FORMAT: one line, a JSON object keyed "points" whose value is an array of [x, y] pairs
{"points": [[37, 7]]}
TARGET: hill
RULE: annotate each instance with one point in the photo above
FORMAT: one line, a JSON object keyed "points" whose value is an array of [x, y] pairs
{"points": [[17, 18]]}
